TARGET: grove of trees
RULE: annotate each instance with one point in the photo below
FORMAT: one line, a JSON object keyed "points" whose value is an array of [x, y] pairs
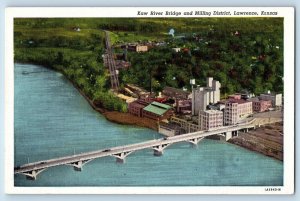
{"points": [[242, 53]]}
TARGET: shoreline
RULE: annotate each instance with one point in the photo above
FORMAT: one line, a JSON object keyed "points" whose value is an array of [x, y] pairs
{"points": [[250, 142], [119, 117], [256, 144], [113, 116]]}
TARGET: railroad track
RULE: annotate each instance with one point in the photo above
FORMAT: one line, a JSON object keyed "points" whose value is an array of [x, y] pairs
{"points": [[114, 79]]}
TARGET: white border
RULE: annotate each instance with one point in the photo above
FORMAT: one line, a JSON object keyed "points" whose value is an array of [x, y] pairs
{"points": [[286, 12]]}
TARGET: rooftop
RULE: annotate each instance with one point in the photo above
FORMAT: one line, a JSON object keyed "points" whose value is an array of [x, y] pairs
{"points": [[213, 111], [157, 108], [270, 94], [238, 101], [255, 99], [157, 104], [137, 104]]}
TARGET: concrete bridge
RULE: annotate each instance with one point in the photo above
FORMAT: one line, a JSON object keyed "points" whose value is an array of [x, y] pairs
{"points": [[32, 170]]}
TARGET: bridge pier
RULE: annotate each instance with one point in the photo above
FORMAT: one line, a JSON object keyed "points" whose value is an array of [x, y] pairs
{"points": [[235, 133], [158, 150], [195, 140], [78, 166], [32, 175], [120, 158], [228, 135]]}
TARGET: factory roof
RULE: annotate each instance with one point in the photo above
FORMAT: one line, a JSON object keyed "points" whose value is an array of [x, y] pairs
{"points": [[157, 108]]}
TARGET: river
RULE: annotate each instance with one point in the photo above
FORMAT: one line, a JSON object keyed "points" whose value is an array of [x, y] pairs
{"points": [[52, 119]]}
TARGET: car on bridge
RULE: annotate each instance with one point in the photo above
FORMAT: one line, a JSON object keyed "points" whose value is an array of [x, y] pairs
{"points": [[106, 150]]}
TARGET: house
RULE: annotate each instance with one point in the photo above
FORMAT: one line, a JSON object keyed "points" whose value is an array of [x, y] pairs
{"points": [[137, 48], [157, 111], [176, 49]]}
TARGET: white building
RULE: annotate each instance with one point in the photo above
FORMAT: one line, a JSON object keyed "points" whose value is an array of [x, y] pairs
{"points": [[236, 110], [210, 119], [202, 96], [275, 98]]}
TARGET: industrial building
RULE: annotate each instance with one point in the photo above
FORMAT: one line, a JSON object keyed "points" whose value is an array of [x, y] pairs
{"points": [[260, 105], [157, 111], [183, 103], [276, 99], [203, 96], [136, 107], [210, 119], [236, 110]]}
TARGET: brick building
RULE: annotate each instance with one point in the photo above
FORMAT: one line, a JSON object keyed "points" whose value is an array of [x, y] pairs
{"points": [[276, 99], [183, 103], [136, 107], [183, 106], [210, 119], [235, 110], [260, 105]]}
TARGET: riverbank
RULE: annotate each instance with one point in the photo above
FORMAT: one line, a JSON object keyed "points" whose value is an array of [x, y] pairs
{"points": [[267, 140], [120, 117]]}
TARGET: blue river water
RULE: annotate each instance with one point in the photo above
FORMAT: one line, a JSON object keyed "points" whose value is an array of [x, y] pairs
{"points": [[52, 119]]}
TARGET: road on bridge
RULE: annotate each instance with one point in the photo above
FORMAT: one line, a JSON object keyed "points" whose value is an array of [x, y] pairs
{"points": [[157, 144]]}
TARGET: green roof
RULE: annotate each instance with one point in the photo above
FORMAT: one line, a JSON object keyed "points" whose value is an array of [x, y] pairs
{"points": [[161, 105], [157, 108]]}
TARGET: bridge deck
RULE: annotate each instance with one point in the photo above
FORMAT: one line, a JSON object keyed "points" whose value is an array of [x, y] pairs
{"points": [[125, 149]]}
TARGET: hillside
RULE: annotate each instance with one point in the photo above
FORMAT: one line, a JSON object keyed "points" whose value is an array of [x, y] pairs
{"points": [[242, 53]]}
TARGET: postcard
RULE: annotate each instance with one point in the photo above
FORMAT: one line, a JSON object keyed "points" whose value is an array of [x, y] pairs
{"points": [[149, 100]]}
